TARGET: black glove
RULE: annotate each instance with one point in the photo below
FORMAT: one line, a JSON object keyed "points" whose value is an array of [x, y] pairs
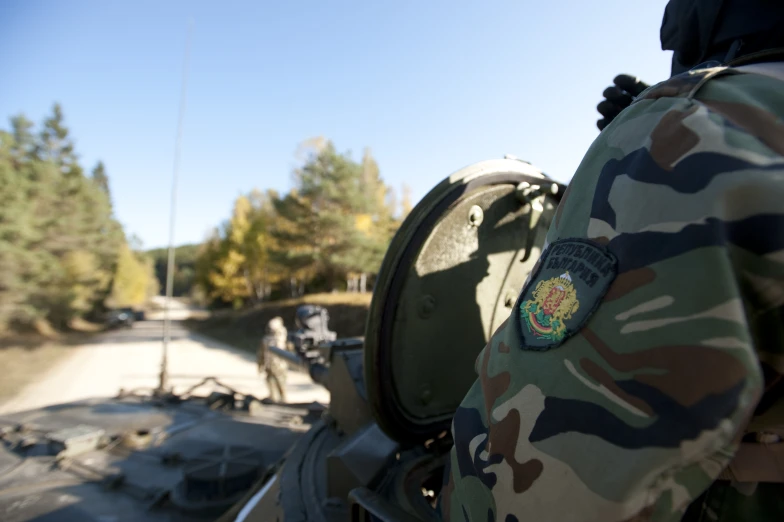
{"points": [[618, 97]]}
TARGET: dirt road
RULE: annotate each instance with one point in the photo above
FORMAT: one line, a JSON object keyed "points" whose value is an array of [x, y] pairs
{"points": [[131, 358]]}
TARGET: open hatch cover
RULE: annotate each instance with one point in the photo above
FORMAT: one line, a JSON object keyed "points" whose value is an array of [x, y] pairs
{"points": [[450, 277]]}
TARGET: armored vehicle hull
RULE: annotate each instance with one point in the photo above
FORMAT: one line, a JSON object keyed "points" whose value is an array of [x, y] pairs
{"points": [[132, 458]]}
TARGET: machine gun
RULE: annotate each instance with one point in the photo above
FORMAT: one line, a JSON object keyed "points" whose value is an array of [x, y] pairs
{"points": [[336, 365]]}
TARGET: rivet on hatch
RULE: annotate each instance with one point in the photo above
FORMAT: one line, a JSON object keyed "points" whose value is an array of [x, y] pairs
{"points": [[475, 216], [426, 306], [426, 396]]}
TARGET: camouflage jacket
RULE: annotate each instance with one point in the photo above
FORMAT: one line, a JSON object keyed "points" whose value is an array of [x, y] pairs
{"points": [[642, 343], [267, 361]]}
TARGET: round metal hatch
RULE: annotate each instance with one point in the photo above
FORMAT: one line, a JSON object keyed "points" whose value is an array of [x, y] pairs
{"points": [[449, 278], [216, 478]]}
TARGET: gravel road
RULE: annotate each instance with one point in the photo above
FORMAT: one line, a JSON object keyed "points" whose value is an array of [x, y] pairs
{"points": [[131, 358]]}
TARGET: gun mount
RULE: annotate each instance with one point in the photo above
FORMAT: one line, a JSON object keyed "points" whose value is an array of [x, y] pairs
{"points": [[319, 359]]}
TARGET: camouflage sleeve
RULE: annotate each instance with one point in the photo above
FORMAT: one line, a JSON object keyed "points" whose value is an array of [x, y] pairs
{"points": [[261, 353], [633, 360]]}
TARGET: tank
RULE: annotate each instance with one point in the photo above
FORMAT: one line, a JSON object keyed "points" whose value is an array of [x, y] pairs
{"points": [[450, 277]]}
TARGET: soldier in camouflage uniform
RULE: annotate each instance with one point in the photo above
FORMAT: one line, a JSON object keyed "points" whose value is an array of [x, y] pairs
{"points": [[639, 376], [274, 367]]}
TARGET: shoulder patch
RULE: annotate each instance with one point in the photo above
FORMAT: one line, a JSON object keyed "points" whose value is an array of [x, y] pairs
{"points": [[567, 287]]}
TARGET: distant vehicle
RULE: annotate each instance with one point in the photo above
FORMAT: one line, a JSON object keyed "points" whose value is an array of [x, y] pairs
{"points": [[121, 318]]}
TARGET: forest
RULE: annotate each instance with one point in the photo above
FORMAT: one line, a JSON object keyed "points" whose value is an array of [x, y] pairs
{"points": [[63, 254], [184, 268], [328, 233]]}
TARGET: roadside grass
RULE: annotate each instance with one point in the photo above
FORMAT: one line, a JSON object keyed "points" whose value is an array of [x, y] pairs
{"points": [[24, 358], [343, 298], [82, 325], [244, 329]]}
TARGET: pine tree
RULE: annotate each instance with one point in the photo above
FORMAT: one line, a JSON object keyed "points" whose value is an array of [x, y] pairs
{"points": [[59, 243], [338, 221], [291, 246], [100, 178], [17, 258], [55, 145], [24, 141]]}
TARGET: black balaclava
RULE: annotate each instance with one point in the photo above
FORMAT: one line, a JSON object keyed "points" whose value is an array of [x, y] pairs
{"points": [[699, 31]]}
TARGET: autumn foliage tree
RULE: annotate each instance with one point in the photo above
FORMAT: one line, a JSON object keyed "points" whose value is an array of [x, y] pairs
{"points": [[134, 279], [329, 232]]}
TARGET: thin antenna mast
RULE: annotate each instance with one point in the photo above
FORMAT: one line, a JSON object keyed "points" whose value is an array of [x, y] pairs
{"points": [[163, 380]]}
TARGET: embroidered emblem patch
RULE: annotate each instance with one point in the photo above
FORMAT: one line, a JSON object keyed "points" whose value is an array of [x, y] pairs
{"points": [[554, 302], [571, 279]]}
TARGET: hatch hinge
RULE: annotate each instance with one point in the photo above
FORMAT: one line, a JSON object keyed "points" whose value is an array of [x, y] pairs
{"points": [[532, 197]]}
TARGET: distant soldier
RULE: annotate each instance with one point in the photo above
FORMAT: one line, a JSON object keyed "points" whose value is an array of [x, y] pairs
{"points": [[275, 368]]}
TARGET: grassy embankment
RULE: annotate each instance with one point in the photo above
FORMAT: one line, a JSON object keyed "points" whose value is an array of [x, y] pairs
{"points": [[26, 357], [244, 329]]}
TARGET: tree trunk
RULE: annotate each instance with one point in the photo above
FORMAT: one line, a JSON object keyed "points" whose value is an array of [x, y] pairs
{"points": [[249, 286], [363, 282]]}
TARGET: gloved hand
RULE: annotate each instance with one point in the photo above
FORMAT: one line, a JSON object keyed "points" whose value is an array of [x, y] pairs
{"points": [[618, 97]]}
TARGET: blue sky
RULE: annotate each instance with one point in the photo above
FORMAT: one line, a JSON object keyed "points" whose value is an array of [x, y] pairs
{"points": [[431, 86]]}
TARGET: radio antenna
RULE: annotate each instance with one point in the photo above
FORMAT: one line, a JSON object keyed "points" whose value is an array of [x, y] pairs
{"points": [[163, 377]]}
